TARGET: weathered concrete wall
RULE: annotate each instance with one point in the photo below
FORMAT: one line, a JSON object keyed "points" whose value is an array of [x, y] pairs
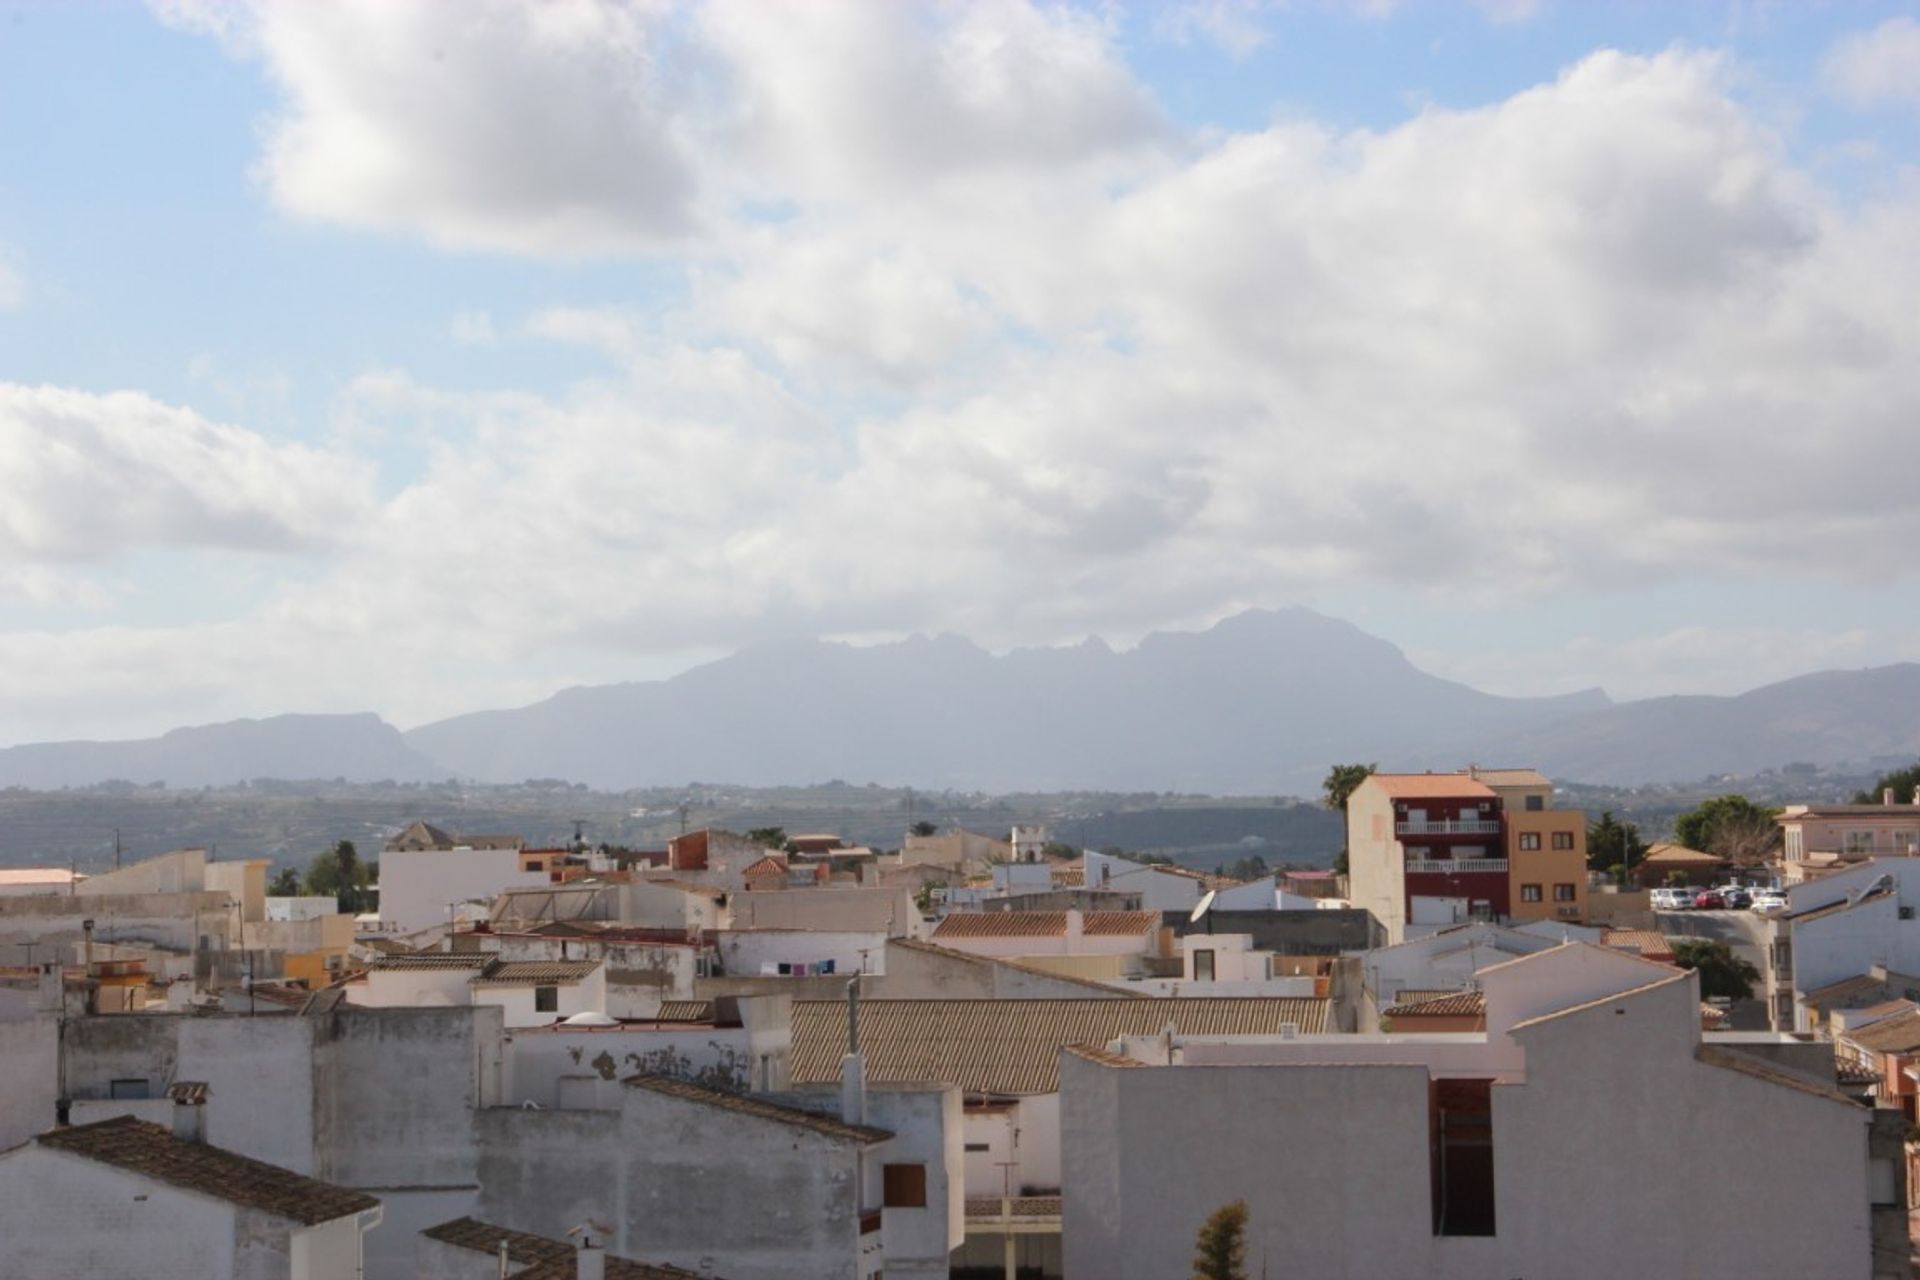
{"points": [[64, 1216], [175, 921], [537, 1061], [916, 973], [1336, 931], [682, 1183], [746, 954], [181, 871], [28, 1083]]}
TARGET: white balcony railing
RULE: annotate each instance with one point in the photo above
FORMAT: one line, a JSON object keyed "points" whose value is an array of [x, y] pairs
{"points": [[1448, 827], [1455, 866]]}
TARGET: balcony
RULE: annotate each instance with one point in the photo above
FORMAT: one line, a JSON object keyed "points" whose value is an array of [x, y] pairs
{"points": [[1455, 866], [1013, 1215], [1448, 827]]}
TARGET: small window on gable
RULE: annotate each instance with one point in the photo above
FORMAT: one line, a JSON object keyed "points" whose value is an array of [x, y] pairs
{"points": [[905, 1186], [546, 999]]}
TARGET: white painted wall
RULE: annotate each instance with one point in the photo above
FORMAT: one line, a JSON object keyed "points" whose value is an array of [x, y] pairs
{"points": [[65, 1216], [748, 952], [413, 988], [417, 884], [589, 995]]}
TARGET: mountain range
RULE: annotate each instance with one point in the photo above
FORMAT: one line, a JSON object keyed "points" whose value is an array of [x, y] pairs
{"points": [[1260, 703]]}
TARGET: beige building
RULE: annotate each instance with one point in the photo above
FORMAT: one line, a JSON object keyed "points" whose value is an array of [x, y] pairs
{"points": [[1819, 838], [1430, 850]]}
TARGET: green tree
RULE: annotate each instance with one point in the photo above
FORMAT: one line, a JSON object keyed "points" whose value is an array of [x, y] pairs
{"points": [[285, 883], [339, 874], [1731, 827], [1341, 781], [1253, 868], [923, 829], [771, 837], [1902, 783], [1220, 1250], [1722, 973], [1611, 843]]}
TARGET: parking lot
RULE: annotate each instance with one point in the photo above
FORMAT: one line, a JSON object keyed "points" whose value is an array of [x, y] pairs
{"points": [[1745, 932]]}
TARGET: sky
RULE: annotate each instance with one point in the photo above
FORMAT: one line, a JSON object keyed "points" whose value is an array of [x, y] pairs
{"points": [[422, 357]]}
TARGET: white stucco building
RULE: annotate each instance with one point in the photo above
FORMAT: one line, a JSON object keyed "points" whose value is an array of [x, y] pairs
{"points": [[1590, 1132], [1842, 925], [125, 1197]]}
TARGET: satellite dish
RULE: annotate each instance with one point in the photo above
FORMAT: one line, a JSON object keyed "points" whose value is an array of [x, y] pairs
{"points": [[1203, 906]]}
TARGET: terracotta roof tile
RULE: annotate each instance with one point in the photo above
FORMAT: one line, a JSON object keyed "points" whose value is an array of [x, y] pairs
{"points": [[1432, 786], [152, 1151], [1453, 1004], [684, 1011], [544, 1258], [521, 973], [1045, 924], [1012, 1047], [1644, 943], [475, 960], [759, 1108], [1898, 1034]]}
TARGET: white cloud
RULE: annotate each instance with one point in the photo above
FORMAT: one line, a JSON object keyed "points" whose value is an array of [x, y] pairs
{"points": [[1876, 68], [1016, 359], [84, 476], [472, 329]]}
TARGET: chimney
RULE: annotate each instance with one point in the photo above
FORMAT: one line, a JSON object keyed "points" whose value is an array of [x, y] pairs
{"points": [[590, 1260], [189, 1110], [853, 1067], [1076, 930], [1886, 795]]}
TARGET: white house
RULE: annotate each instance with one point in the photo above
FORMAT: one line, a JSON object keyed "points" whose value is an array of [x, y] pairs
{"points": [[533, 993], [1839, 926], [124, 1197], [1543, 1147], [1449, 960]]}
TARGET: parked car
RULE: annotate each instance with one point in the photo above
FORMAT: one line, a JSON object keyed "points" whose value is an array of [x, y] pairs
{"points": [[1768, 900], [1672, 899], [1738, 899], [1710, 900]]}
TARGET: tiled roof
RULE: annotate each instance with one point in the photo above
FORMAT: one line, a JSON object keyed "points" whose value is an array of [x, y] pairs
{"points": [[759, 1108], [430, 960], [523, 973], [1103, 1056], [152, 1151], [969, 957], [767, 866], [1678, 855], [1045, 924], [1513, 778], [1454, 1004], [1432, 786], [685, 1011], [1748, 1065], [1642, 942], [1013, 1047], [546, 1259], [1898, 1034], [1846, 988], [188, 1093]]}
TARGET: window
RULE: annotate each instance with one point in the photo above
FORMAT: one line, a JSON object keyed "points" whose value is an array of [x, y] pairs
{"points": [[1563, 893], [1529, 893], [1529, 839], [905, 1186], [1460, 1122], [1536, 803], [1203, 965], [135, 1088], [1859, 842], [979, 1146], [1563, 839], [546, 999]]}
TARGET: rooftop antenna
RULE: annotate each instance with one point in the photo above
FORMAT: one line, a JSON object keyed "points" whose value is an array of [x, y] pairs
{"points": [[1203, 910]]}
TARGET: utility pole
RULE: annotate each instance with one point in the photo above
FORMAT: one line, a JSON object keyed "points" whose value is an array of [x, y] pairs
{"points": [[116, 848]]}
